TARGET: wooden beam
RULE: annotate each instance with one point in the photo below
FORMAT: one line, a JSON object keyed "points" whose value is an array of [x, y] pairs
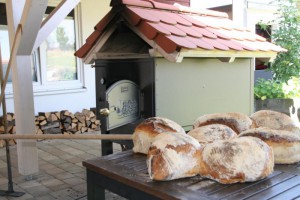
{"points": [[31, 20], [15, 8], [172, 57], [90, 57], [54, 19], [119, 55], [67, 137], [32, 15], [231, 53], [24, 113], [227, 59]]}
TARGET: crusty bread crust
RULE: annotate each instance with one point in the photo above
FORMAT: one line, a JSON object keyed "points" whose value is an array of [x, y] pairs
{"points": [[236, 121], [242, 159], [172, 156], [272, 119], [285, 144], [211, 133], [146, 131]]}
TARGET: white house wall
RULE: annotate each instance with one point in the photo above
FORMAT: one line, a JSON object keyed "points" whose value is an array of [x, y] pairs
{"points": [[76, 99]]}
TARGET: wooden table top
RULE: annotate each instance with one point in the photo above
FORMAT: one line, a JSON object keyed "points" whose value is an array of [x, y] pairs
{"points": [[130, 169]]}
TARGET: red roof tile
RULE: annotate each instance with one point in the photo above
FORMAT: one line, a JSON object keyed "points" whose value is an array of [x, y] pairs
{"points": [[93, 37], [216, 43], [189, 31], [200, 43], [144, 14], [195, 22], [179, 19], [173, 27]]}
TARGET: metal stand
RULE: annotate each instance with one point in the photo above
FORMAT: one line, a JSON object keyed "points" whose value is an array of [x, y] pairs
{"points": [[10, 191]]}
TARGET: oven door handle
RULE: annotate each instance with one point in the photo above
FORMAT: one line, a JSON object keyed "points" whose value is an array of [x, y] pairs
{"points": [[104, 111]]}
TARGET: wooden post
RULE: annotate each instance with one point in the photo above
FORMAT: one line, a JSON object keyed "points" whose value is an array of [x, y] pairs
{"points": [[32, 16]]}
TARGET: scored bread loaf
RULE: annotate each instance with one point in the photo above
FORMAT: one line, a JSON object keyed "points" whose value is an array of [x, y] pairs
{"points": [[272, 119], [236, 121], [145, 132], [241, 159], [172, 156], [212, 132], [285, 144]]}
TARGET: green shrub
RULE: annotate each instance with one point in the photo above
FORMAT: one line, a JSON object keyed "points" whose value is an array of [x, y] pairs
{"points": [[269, 89]]}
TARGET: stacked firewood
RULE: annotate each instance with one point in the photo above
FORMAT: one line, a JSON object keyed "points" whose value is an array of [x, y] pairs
{"points": [[48, 123], [79, 122], [63, 122], [11, 128]]}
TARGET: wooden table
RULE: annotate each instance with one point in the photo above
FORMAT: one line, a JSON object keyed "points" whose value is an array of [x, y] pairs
{"points": [[125, 174]]}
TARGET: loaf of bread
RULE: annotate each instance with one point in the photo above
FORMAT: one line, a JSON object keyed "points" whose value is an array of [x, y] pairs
{"points": [[172, 156], [236, 121], [211, 133], [145, 132], [285, 144], [241, 159], [272, 119]]}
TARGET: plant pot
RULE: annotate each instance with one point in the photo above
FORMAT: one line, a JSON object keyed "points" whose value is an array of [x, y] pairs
{"points": [[280, 105], [287, 106]]}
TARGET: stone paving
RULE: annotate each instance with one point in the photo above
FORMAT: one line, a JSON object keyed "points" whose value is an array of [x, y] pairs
{"points": [[61, 174]]}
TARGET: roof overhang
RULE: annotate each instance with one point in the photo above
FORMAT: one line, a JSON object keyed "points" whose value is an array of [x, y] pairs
{"points": [[175, 34]]}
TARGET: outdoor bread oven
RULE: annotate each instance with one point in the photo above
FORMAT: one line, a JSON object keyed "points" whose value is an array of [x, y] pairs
{"points": [[125, 96], [154, 59]]}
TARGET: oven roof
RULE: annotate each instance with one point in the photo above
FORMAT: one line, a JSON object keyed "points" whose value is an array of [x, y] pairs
{"points": [[175, 32]]}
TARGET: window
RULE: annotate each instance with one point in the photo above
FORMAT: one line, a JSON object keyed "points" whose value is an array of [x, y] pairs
{"points": [[57, 52], [54, 66]]}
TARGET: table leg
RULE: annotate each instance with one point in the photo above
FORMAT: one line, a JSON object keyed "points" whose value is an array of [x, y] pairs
{"points": [[106, 147], [94, 191]]}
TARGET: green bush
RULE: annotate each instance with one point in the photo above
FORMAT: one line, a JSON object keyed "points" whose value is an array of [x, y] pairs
{"points": [[269, 89]]}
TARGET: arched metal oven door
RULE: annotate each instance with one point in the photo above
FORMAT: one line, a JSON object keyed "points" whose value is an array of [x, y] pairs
{"points": [[123, 100]]}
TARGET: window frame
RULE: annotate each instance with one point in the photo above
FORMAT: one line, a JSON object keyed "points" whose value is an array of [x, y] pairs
{"points": [[43, 87]]}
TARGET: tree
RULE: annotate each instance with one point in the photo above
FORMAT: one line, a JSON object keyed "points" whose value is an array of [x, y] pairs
{"points": [[287, 35], [62, 39]]}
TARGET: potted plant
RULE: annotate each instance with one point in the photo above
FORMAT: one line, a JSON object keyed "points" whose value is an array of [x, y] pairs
{"points": [[277, 95]]}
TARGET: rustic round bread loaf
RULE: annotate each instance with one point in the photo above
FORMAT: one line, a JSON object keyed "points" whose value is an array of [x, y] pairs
{"points": [[241, 159], [236, 121], [172, 156], [211, 133], [285, 144], [145, 132], [272, 119]]}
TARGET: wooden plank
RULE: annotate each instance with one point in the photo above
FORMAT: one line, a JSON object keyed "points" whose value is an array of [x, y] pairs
{"points": [[257, 188], [53, 20], [24, 112], [62, 136], [31, 21], [235, 188], [14, 13], [292, 193], [277, 189]]}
